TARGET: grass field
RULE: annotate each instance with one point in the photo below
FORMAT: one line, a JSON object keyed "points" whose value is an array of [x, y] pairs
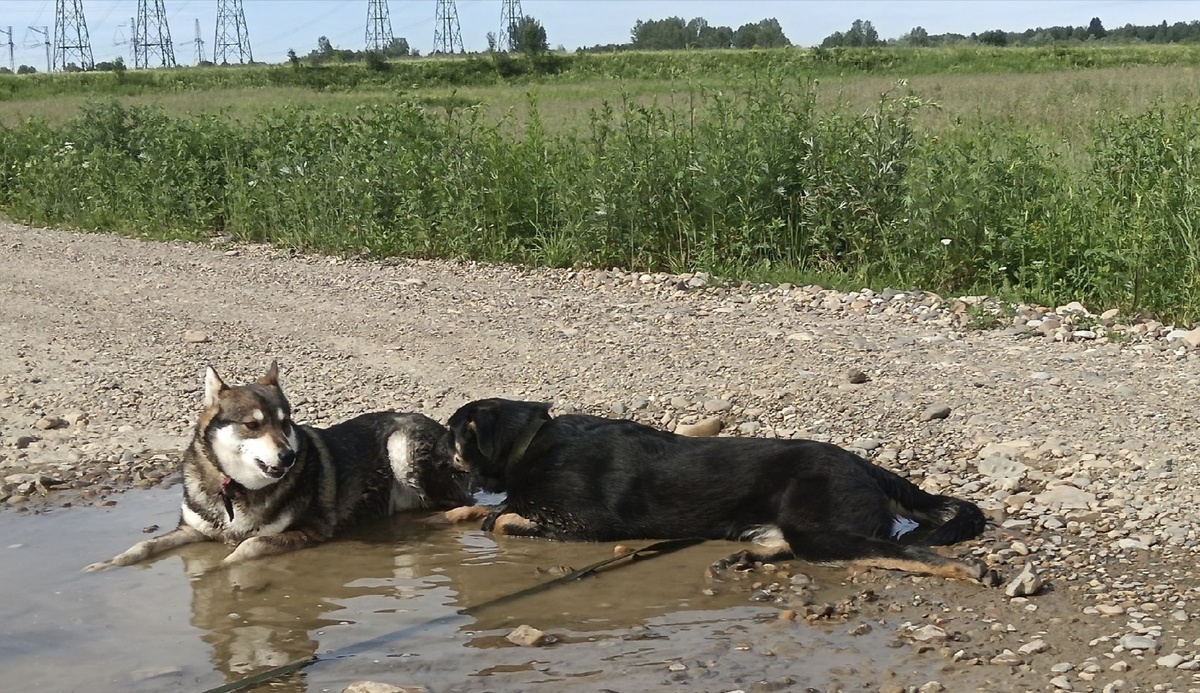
{"points": [[1042, 174]]}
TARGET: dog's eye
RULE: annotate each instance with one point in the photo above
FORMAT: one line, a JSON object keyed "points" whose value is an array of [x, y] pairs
{"points": [[251, 425]]}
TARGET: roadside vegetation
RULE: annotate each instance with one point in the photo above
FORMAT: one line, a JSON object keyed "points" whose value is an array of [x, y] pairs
{"points": [[1047, 174]]}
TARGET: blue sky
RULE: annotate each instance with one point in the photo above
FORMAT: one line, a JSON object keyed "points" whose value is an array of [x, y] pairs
{"points": [[276, 25]]}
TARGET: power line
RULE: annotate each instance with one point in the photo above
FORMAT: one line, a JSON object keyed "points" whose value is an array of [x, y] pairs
{"points": [[152, 35], [232, 38], [379, 25], [447, 37], [71, 35]]}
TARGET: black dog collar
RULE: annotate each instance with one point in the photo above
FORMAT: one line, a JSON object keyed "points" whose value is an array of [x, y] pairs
{"points": [[522, 444]]}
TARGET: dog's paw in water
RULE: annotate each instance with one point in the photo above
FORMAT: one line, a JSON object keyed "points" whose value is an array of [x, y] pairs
{"points": [[464, 513], [97, 567]]}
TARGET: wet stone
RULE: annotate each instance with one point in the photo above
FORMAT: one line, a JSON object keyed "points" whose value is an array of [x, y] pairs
{"points": [[377, 687], [528, 636]]}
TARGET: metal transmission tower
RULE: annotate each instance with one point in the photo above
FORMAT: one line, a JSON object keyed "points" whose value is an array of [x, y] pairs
{"points": [[510, 15], [447, 38], [152, 36], [12, 65], [379, 25], [45, 32], [232, 39], [199, 44], [120, 39], [71, 35]]}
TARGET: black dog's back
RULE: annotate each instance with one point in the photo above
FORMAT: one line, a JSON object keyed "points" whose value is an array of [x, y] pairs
{"points": [[647, 483], [587, 478]]}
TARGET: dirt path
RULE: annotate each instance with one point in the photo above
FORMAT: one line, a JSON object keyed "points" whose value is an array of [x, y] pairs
{"points": [[1082, 450]]}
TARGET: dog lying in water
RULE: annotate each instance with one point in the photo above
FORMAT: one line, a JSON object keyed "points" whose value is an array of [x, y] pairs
{"points": [[255, 479], [586, 478]]}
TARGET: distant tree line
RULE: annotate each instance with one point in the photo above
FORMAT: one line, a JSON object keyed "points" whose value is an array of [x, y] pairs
{"points": [[862, 33], [325, 52], [676, 33]]}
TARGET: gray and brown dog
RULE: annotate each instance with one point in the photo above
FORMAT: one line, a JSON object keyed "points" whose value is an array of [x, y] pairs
{"points": [[255, 479]]}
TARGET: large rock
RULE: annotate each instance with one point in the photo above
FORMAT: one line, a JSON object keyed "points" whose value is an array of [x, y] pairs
{"points": [[1000, 467], [1065, 497], [929, 633], [708, 427], [1026, 584]]}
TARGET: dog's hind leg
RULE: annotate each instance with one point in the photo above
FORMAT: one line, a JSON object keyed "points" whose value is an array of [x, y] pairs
{"points": [[181, 535], [826, 546], [768, 546]]}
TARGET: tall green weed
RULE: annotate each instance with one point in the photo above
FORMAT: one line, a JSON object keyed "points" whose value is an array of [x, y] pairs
{"points": [[748, 185]]}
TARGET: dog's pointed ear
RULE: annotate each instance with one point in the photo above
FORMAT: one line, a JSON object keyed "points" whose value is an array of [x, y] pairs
{"points": [[213, 385], [271, 377]]}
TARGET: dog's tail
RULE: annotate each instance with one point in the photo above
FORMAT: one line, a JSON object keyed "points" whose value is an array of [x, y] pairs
{"points": [[951, 519]]}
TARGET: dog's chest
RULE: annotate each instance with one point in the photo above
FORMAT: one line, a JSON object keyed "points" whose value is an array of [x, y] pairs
{"points": [[244, 524]]}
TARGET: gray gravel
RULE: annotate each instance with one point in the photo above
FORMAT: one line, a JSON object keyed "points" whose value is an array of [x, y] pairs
{"points": [[1075, 431]]}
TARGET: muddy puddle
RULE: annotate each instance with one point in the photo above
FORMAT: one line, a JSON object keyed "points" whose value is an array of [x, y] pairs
{"points": [[384, 604]]}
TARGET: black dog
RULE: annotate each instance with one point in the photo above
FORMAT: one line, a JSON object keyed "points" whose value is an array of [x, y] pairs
{"points": [[587, 478]]}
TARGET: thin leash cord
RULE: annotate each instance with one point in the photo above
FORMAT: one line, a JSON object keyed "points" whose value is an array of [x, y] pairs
{"points": [[660, 548]]}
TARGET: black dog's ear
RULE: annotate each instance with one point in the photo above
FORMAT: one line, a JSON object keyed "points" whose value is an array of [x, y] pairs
{"points": [[483, 426]]}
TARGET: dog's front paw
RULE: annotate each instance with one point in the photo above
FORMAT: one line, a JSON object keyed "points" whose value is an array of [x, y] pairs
{"points": [[97, 567]]}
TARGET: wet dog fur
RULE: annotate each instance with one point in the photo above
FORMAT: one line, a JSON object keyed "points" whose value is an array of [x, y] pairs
{"points": [[585, 478], [255, 479]]}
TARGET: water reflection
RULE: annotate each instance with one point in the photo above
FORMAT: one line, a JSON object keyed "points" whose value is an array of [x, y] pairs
{"points": [[382, 603], [398, 589]]}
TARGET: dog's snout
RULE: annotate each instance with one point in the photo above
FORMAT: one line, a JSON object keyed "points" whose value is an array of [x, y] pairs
{"points": [[287, 458]]}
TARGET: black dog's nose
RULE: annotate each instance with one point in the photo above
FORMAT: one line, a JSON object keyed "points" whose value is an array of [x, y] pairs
{"points": [[287, 458]]}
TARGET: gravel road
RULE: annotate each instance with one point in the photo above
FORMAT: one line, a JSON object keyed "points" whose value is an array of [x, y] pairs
{"points": [[1076, 432]]}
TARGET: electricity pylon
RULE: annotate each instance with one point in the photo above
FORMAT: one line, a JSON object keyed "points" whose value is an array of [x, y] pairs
{"points": [[379, 25], [510, 15], [12, 65], [120, 39], [152, 36], [45, 32], [199, 44], [71, 35], [447, 37], [232, 38]]}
